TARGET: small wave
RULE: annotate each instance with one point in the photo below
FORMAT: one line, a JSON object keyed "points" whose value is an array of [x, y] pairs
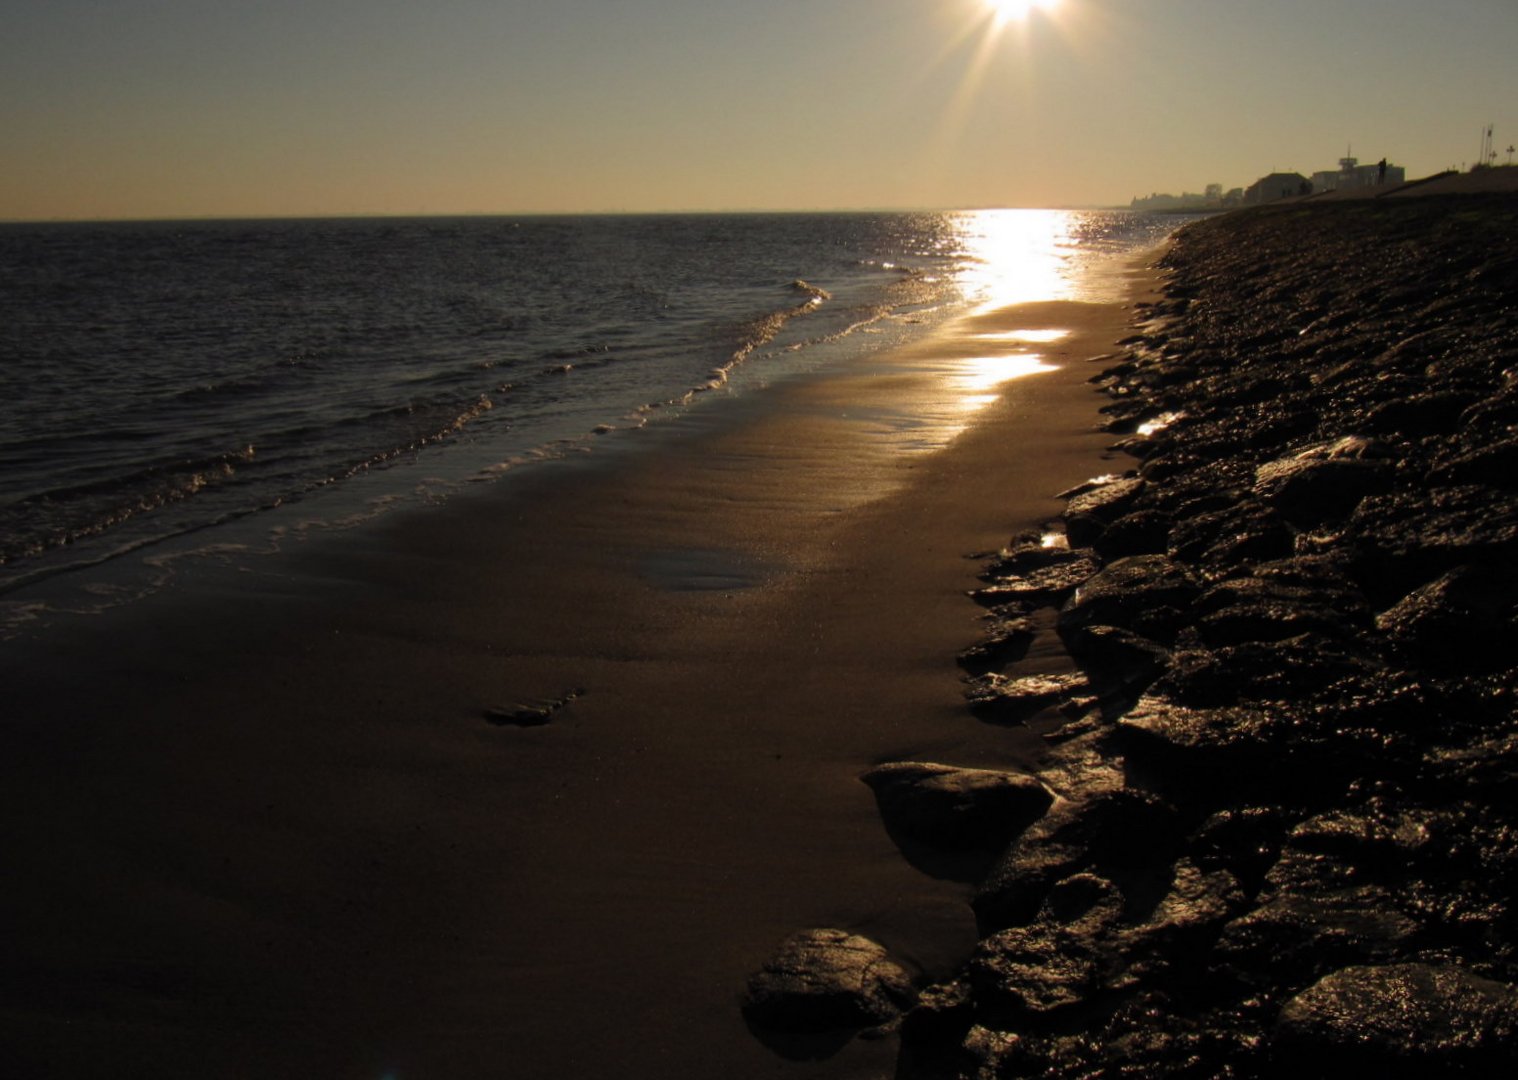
{"points": [[817, 294], [61, 517]]}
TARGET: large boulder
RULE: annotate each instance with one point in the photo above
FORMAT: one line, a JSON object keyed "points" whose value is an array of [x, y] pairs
{"points": [[954, 807], [1401, 541], [1402, 1020], [1148, 594], [1090, 512], [820, 980], [1465, 620], [1118, 833], [1325, 482]]}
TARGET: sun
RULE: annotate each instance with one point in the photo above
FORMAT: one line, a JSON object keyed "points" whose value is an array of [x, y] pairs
{"points": [[1005, 11]]}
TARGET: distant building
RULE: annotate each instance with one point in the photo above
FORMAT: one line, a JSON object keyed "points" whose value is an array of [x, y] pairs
{"points": [[1351, 174], [1190, 201], [1276, 186]]}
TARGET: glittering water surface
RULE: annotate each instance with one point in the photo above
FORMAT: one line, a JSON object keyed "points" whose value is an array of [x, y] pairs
{"points": [[161, 378]]}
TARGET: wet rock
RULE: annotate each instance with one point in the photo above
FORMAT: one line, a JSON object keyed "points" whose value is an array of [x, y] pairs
{"points": [[1321, 484], [990, 1052], [1006, 643], [1227, 753], [1142, 532], [1406, 1019], [1246, 841], [1088, 514], [934, 1031], [1088, 902], [1322, 775], [1402, 541], [1045, 587], [1486, 766], [825, 979], [1295, 936], [1418, 416], [1112, 655], [953, 807], [1271, 606], [1495, 417], [1027, 973], [1295, 669], [1033, 550], [1232, 536], [1013, 701], [1494, 465], [534, 713], [1148, 594], [1069, 953], [1467, 620], [1111, 832], [1197, 906], [1384, 838]]}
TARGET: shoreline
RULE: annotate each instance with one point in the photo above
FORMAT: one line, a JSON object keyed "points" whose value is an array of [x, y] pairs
{"points": [[273, 829], [1279, 839]]}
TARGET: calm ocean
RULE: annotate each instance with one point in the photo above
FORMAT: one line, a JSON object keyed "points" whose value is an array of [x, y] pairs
{"points": [[163, 378]]}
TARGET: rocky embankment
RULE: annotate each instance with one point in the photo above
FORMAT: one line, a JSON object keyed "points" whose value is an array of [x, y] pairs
{"points": [[1276, 831]]}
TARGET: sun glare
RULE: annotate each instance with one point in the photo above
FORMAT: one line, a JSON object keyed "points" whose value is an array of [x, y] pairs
{"points": [[1006, 11]]}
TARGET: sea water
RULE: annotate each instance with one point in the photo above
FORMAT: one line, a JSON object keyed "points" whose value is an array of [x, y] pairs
{"points": [[161, 379]]}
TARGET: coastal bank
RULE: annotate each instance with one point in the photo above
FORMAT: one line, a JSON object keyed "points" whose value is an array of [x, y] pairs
{"points": [[1275, 836]]}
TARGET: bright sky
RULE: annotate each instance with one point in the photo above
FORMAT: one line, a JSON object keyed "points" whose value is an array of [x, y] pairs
{"points": [[169, 108]]}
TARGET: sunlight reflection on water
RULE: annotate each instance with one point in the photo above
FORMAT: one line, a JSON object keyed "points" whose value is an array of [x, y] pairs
{"points": [[984, 372], [1017, 256]]}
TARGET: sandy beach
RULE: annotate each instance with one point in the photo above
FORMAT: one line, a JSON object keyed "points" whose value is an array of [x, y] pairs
{"points": [[269, 822]]}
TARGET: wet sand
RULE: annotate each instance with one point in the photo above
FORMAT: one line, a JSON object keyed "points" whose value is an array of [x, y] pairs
{"points": [[259, 825]]}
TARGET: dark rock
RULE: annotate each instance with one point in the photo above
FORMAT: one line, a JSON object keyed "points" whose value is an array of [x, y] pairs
{"points": [[1142, 532], [530, 713], [1418, 416], [1229, 537], [1485, 767], [1025, 973], [1272, 607], [1033, 550], [954, 807], [1083, 766], [934, 1028], [1322, 483], [1384, 838], [1299, 935], [1088, 901], [1401, 541], [1006, 643], [1013, 701], [1467, 620], [1494, 465], [1494, 417], [1112, 832], [1295, 669], [1246, 841], [1401, 1019], [1224, 753], [1112, 655], [824, 979], [1045, 587], [1306, 786], [1148, 594], [1088, 514], [1191, 913]]}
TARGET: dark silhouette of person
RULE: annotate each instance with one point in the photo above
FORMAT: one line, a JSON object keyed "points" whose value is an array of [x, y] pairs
{"points": [[1381, 171]]}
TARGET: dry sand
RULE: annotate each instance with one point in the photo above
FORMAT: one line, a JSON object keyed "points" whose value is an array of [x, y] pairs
{"points": [[258, 826]]}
